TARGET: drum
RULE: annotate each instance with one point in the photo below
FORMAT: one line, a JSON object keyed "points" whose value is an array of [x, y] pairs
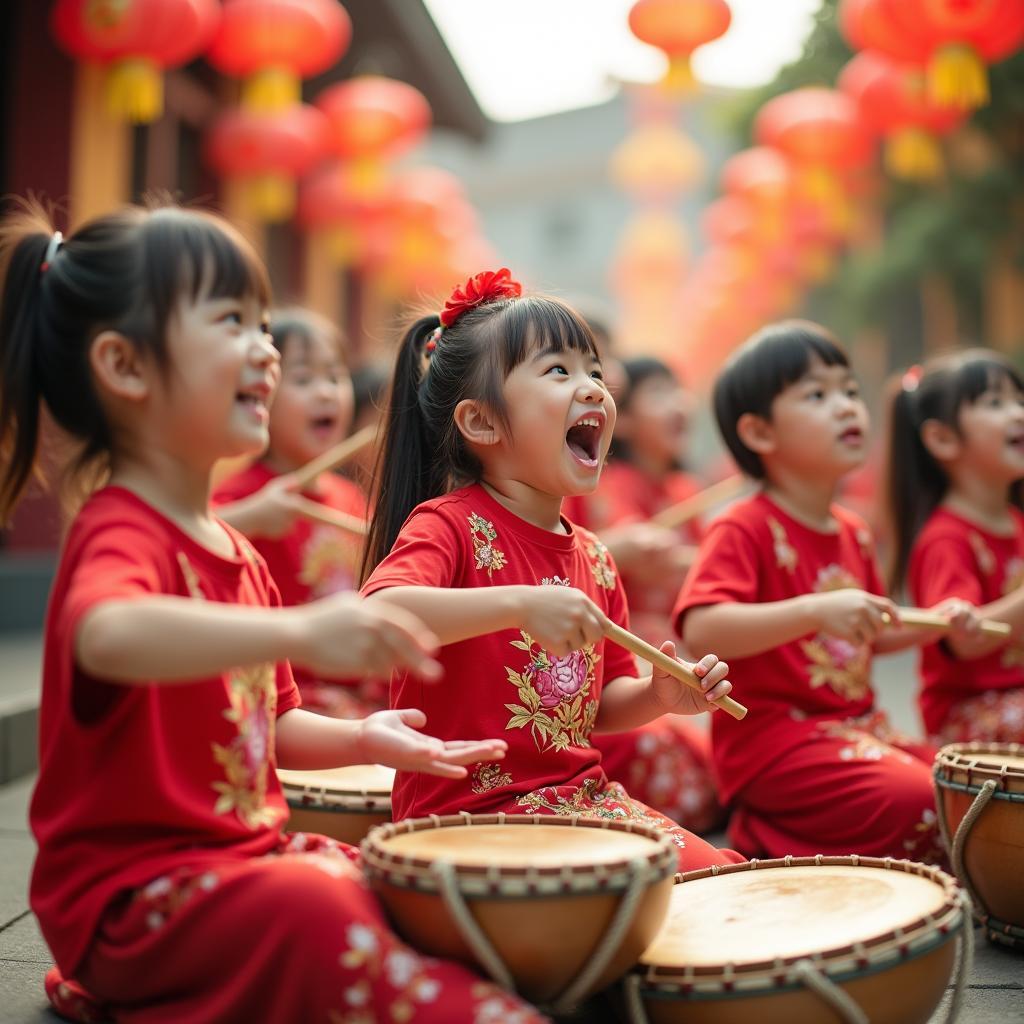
{"points": [[814, 940], [979, 791], [343, 803], [552, 907]]}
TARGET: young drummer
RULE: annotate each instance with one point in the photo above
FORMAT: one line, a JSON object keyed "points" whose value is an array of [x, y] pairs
{"points": [[786, 585], [498, 411], [956, 463], [163, 881], [311, 412]]}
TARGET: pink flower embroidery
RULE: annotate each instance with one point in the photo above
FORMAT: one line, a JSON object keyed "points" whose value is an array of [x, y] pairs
{"points": [[561, 679]]}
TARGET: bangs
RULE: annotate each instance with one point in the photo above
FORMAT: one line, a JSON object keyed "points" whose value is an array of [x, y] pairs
{"points": [[200, 255], [980, 371], [534, 324]]}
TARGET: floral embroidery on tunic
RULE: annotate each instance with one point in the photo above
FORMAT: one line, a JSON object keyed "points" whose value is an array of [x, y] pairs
{"points": [[861, 745], [246, 758], [600, 565], [167, 895], [484, 535], [785, 554], [328, 562], [555, 581], [834, 662], [553, 695], [487, 775]]}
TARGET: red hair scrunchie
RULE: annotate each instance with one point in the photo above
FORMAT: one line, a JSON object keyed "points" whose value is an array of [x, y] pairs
{"points": [[487, 286]]}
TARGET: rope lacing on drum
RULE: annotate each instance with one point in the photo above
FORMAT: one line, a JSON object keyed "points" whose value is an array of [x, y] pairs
{"points": [[849, 1012]]}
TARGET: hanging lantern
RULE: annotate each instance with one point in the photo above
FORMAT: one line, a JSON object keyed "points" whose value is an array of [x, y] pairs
{"points": [[822, 134], [764, 178], [137, 39], [656, 163], [373, 119], [273, 44], [678, 27], [894, 102], [268, 153]]}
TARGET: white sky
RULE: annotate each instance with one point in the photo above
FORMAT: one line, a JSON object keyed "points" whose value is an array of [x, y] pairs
{"points": [[527, 58]]}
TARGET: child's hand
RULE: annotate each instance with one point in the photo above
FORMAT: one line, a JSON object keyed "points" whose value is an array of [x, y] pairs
{"points": [[964, 620], [678, 698], [560, 619], [343, 635], [853, 614], [390, 738], [641, 549], [269, 512]]}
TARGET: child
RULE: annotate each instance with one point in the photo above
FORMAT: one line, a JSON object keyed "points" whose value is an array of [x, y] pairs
{"points": [[163, 882], [786, 583], [311, 412], [667, 763], [497, 412], [955, 470]]}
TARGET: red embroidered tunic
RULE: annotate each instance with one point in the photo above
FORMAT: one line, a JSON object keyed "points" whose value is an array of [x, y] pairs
{"points": [[138, 780], [953, 557], [504, 684], [753, 553]]}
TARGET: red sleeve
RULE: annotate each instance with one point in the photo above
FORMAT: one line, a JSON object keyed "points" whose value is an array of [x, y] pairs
{"points": [[944, 567], [428, 553], [727, 569], [240, 485]]}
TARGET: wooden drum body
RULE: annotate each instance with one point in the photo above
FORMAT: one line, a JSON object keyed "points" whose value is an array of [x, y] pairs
{"points": [[979, 790], [554, 908], [802, 940], [343, 803]]}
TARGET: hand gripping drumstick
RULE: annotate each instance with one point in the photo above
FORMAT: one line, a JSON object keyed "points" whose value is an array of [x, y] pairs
{"points": [[334, 457], [644, 650], [332, 517], [930, 620], [697, 504]]}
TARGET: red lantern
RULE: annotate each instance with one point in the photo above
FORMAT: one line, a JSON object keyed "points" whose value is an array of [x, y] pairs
{"points": [[678, 27], [893, 101], [268, 152], [273, 44], [373, 119], [138, 39]]}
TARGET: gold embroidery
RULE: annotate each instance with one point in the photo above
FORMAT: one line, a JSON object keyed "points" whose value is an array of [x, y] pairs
{"points": [[484, 535], [487, 775], [328, 562], [785, 554], [246, 758], [983, 553], [600, 566], [191, 578], [553, 694]]}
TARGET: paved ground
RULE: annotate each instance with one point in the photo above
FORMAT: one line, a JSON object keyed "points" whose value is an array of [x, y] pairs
{"points": [[996, 985]]}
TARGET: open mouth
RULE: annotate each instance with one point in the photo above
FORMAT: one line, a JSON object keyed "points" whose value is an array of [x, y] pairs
{"points": [[583, 439], [323, 424], [852, 436], [1016, 442], [255, 402]]}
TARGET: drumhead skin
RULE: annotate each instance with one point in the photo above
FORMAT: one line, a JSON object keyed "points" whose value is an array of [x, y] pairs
{"points": [[543, 890], [732, 943], [993, 851], [343, 803]]}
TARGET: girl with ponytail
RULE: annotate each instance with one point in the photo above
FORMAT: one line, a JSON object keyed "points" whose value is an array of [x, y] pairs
{"points": [[498, 411], [164, 884], [956, 467]]}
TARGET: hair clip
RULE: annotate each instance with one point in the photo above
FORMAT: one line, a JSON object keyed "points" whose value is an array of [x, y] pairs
{"points": [[912, 378], [51, 251], [435, 337]]}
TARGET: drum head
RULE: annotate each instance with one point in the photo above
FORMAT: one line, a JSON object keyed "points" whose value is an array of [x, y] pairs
{"points": [[761, 915], [519, 846], [363, 779]]}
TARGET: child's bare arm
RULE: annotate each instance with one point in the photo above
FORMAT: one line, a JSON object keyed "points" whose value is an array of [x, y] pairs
{"points": [[172, 639], [737, 630]]}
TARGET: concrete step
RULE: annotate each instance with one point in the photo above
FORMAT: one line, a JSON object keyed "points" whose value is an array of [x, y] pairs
{"points": [[20, 668]]}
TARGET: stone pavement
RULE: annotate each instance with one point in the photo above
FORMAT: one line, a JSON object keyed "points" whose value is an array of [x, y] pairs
{"points": [[996, 985]]}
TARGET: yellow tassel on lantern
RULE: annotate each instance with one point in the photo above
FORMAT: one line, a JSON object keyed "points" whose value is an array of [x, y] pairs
{"points": [[135, 90], [270, 90], [914, 155], [821, 187], [270, 197], [679, 78], [957, 78]]}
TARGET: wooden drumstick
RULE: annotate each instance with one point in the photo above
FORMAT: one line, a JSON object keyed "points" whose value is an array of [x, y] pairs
{"points": [[331, 516], [334, 456], [697, 504], [930, 620], [644, 650]]}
